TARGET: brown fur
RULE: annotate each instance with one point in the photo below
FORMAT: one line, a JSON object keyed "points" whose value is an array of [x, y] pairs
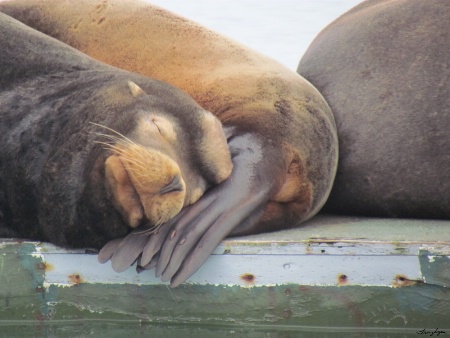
{"points": [[239, 85]]}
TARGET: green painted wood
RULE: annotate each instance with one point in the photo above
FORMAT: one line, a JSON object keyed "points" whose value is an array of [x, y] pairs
{"points": [[29, 300]]}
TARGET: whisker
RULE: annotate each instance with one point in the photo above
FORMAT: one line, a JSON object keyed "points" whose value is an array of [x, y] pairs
{"points": [[113, 137], [108, 145], [141, 161], [129, 154], [138, 164], [112, 130]]}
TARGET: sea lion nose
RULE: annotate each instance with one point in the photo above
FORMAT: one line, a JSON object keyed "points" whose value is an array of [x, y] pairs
{"points": [[175, 185]]}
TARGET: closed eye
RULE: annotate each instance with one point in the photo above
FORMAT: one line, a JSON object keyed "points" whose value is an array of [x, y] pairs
{"points": [[164, 126], [154, 121]]}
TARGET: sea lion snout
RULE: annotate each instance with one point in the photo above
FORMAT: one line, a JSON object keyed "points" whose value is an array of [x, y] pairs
{"points": [[143, 184]]}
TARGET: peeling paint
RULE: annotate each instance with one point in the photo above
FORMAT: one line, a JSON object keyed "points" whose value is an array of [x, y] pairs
{"points": [[76, 278], [401, 280], [435, 269], [329, 281]]}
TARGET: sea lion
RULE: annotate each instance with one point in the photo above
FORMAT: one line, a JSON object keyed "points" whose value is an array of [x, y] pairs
{"points": [[90, 151], [385, 71], [280, 130]]}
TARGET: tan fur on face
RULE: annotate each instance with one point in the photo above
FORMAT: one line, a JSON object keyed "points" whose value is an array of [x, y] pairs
{"points": [[126, 199], [135, 175], [150, 171], [156, 125]]}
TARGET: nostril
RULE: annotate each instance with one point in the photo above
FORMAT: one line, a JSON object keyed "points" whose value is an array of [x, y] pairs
{"points": [[173, 186]]}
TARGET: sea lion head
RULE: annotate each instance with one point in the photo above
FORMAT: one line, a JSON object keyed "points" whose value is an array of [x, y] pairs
{"points": [[164, 162]]}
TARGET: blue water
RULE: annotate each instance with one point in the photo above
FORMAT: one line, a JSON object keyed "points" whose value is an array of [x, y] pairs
{"points": [[282, 29]]}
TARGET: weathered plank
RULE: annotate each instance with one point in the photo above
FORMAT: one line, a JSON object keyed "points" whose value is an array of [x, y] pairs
{"points": [[347, 273]]}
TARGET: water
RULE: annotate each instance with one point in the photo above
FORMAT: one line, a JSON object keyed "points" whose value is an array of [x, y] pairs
{"points": [[282, 29]]}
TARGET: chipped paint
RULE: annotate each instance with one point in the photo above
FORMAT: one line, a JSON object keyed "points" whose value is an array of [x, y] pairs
{"points": [[403, 280], [76, 278], [435, 268], [273, 270], [304, 280], [364, 267]]}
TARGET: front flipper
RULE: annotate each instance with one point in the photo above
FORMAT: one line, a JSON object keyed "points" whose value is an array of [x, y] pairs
{"points": [[239, 201], [122, 252], [267, 190]]}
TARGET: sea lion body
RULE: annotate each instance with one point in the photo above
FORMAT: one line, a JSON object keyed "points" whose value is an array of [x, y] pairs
{"points": [[280, 130], [63, 116], [384, 69]]}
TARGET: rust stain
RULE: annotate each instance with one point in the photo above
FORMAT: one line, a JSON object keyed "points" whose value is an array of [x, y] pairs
{"points": [[401, 280], [45, 266], [248, 278], [45, 314], [287, 313], [40, 289], [76, 278], [342, 279], [40, 317]]}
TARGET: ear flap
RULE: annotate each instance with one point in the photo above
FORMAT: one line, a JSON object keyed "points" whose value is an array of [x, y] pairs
{"points": [[215, 151], [135, 89]]}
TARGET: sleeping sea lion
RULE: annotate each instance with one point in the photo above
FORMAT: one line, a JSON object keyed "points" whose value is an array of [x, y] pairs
{"points": [[280, 130], [90, 151], [385, 71]]}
